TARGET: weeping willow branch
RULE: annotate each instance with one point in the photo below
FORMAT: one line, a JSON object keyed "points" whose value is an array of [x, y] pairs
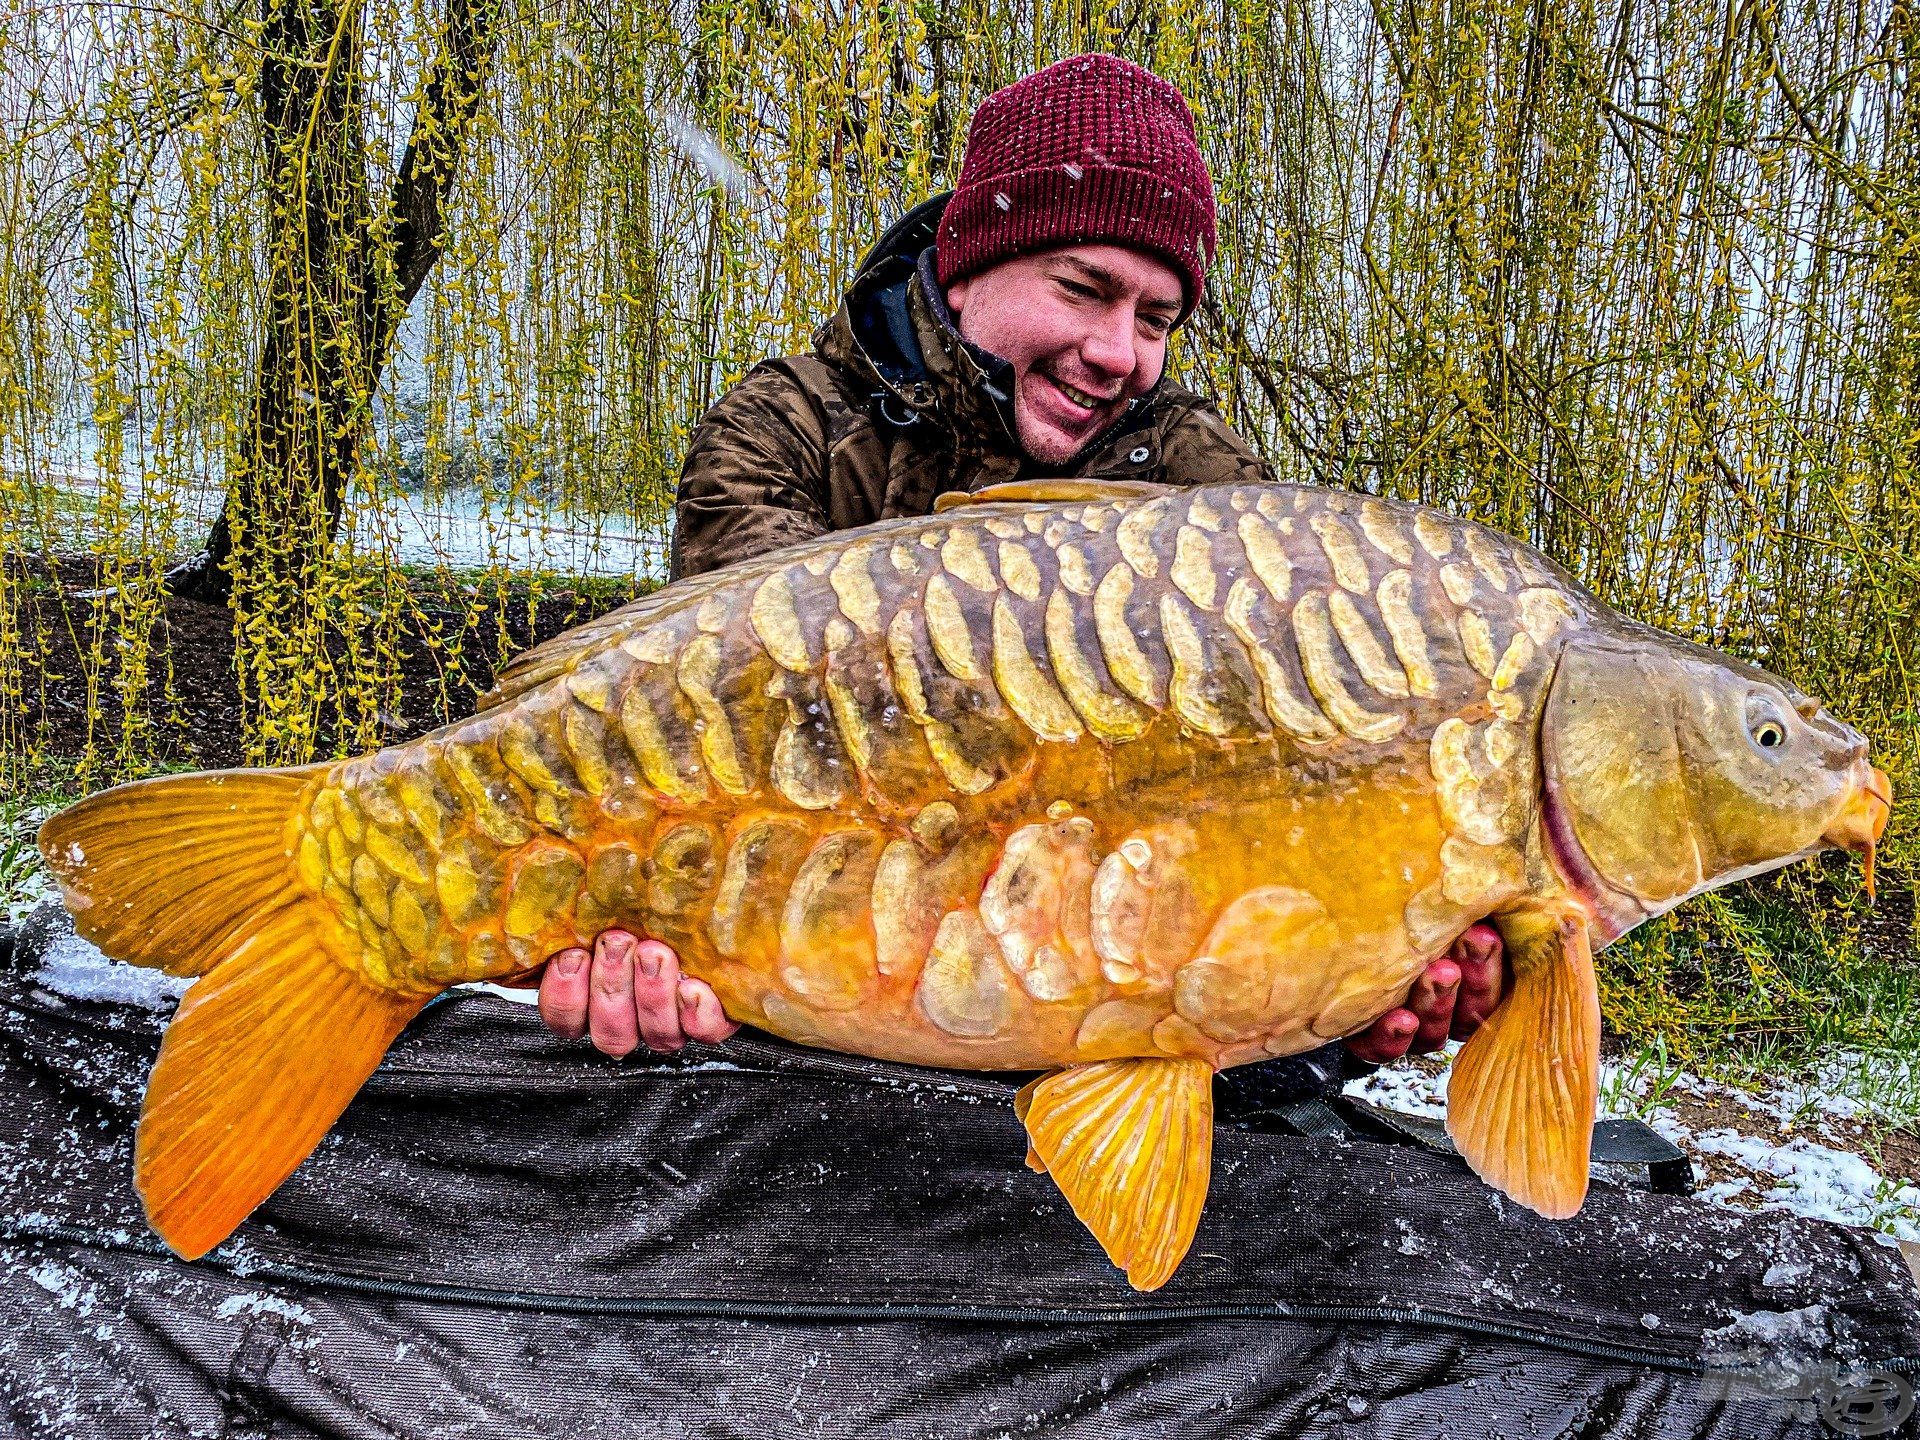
{"points": [[432, 160]]}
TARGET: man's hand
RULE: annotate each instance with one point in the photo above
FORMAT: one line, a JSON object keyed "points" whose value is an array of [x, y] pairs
{"points": [[631, 992], [627, 993], [1452, 999]]}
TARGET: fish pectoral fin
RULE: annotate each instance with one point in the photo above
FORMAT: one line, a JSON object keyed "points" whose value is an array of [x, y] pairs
{"points": [[1130, 1144], [1021, 1101], [1520, 1103], [1042, 492]]}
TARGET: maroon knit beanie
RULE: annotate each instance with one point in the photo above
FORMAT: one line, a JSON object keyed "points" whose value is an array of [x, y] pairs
{"points": [[1091, 149]]}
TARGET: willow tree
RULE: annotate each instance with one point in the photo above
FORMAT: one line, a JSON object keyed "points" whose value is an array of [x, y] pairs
{"points": [[1638, 282], [341, 272]]}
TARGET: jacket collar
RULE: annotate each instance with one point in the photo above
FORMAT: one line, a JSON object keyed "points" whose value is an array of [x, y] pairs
{"points": [[893, 329]]}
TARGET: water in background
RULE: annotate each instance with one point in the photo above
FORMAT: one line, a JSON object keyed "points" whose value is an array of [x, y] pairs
{"points": [[457, 529]]}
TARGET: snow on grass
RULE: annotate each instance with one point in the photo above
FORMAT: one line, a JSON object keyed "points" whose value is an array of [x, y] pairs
{"points": [[461, 528], [1807, 1178], [24, 883], [1790, 1143], [1411, 1089]]}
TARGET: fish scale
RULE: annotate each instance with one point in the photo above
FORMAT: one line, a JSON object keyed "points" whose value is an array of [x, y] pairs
{"points": [[1101, 779]]}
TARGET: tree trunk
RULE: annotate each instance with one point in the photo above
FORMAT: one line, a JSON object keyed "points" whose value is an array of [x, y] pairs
{"points": [[340, 280]]}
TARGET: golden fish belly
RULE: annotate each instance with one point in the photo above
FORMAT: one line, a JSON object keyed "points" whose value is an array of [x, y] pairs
{"points": [[1211, 775], [1106, 935]]}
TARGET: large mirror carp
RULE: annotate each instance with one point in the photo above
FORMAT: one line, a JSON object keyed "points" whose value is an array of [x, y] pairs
{"points": [[1116, 782]]}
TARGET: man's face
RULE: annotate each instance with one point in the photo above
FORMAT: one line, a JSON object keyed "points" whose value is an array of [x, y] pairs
{"points": [[1085, 328]]}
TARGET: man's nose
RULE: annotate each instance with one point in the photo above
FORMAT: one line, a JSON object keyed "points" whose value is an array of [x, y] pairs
{"points": [[1108, 347]]}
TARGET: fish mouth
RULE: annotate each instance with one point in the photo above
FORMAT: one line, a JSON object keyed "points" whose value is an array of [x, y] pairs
{"points": [[1863, 819]]}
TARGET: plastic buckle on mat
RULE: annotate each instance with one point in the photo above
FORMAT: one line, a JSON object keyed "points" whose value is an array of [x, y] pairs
{"points": [[1635, 1153]]}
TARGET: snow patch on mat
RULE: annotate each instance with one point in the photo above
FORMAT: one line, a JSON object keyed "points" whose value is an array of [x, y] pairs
{"points": [[262, 1304], [77, 970]]}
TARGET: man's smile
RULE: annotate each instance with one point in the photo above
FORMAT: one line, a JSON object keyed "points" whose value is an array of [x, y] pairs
{"points": [[1080, 397]]}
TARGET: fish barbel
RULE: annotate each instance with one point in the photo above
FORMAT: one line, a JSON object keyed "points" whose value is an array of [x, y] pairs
{"points": [[1121, 783]]}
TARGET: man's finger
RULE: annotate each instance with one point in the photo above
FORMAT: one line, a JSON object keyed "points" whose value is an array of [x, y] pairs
{"points": [[1387, 1038], [1432, 1000], [656, 996], [610, 1003], [700, 1013], [563, 993], [1482, 960]]}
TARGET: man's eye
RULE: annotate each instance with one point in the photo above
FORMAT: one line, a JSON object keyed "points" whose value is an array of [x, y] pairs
{"points": [[1079, 292]]}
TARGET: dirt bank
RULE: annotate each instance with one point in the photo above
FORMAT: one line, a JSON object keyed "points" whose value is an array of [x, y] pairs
{"points": [[193, 696]]}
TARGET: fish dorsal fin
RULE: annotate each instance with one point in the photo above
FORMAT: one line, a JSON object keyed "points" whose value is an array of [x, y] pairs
{"points": [[1130, 1144], [1044, 492], [533, 667], [1520, 1104]]}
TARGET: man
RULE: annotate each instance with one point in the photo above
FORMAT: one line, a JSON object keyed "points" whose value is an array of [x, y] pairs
{"points": [[1014, 330]]}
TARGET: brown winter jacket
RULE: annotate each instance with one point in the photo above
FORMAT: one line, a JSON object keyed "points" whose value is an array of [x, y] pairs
{"points": [[892, 409]]}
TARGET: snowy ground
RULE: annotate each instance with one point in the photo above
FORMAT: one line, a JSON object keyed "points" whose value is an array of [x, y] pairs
{"points": [[23, 884], [1836, 1143], [457, 531]]}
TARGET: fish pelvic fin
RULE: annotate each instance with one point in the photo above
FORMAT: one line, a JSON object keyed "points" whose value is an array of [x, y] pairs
{"points": [[192, 874], [1130, 1144], [1520, 1103]]}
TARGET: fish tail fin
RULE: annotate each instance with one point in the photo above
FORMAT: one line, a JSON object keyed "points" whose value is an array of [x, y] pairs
{"points": [[192, 874], [262, 1056], [172, 872], [1521, 1100]]}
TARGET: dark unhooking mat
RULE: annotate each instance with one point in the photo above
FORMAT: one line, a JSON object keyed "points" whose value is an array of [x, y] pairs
{"points": [[506, 1236]]}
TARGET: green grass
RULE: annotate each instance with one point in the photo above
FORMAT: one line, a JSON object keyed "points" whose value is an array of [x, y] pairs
{"points": [[47, 788], [1645, 1078], [1797, 961], [1779, 977], [586, 596]]}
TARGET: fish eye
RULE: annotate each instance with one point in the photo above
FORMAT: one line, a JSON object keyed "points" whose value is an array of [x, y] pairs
{"points": [[1766, 722]]}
